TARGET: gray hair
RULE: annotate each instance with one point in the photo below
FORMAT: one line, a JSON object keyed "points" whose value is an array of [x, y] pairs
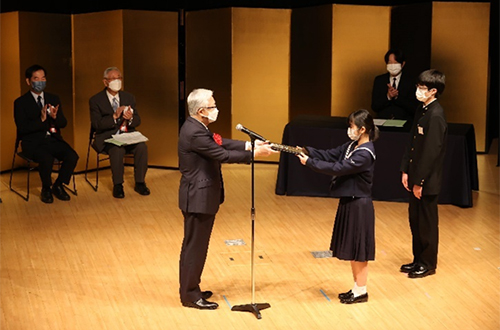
{"points": [[197, 99], [111, 68]]}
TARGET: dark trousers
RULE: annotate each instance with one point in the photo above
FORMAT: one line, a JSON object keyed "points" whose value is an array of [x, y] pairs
{"points": [[45, 154], [116, 154], [424, 225], [197, 231]]}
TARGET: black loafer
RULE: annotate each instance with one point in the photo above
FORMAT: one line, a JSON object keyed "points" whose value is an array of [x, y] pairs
{"points": [[354, 300], [142, 189], [206, 294], [201, 304], [46, 196], [345, 295], [118, 191], [60, 193], [407, 268], [420, 272]]}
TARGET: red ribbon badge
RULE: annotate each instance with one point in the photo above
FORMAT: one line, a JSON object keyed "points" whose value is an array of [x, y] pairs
{"points": [[218, 139]]}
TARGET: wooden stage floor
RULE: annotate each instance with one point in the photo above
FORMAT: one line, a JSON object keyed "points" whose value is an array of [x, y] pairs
{"points": [[101, 263]]}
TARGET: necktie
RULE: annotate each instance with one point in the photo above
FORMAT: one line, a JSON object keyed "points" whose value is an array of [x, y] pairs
{"points": [[394, 83], [39, 102], [115, 104]]}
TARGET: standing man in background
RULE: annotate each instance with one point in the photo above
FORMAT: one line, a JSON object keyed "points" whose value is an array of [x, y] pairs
{"points": [[393, 94], [113, 111], [39, 119], [201, 189]]}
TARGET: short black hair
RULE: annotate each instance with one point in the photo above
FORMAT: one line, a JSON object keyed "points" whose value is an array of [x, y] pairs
{"points": [[432, 79], [398, 54], [363, 118], [34, 68]]}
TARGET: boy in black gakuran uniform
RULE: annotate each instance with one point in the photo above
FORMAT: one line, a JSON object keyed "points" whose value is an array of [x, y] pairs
{"points": [[422, 168]]}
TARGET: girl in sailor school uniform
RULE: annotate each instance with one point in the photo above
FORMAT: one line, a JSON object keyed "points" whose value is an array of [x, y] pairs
{"points": [[351, 166]]}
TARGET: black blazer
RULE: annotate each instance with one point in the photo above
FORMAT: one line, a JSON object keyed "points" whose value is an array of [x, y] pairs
{"points": [[101, 116], [201, 188], [403, 107], [352, 175], [424, 155], [30, 127]]}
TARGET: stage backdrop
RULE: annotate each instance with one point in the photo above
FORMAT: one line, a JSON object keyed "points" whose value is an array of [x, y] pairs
{"points": [[265, 65], [143, 45], [27, 39], [460, 39], [242, 54]]}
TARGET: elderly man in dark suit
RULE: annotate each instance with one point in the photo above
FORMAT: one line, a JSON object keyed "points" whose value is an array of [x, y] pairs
{"points": [[113, 111], [201, 189], [393, 93], [39, 119], [422, 168]]}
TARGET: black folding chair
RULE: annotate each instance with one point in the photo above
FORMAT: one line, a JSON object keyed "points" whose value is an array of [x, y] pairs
{"points": [[100, 157], [30, 167]]}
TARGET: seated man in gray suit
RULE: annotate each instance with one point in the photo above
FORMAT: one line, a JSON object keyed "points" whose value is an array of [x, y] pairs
{"points": [[113, 111]]}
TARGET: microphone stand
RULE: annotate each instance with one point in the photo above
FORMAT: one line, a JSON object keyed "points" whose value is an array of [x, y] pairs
{"points": [[252, 307]]}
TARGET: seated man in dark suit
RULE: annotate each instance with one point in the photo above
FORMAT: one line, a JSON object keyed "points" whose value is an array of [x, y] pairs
{"points": [[393, 94], [39, 119], [113, 111]]}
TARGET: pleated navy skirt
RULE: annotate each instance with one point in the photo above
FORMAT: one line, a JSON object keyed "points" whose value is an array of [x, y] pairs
{"points": [[353, 235]]}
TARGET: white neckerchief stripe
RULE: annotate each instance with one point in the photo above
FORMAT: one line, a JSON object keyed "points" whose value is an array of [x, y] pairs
{"points": [[349, 153]]}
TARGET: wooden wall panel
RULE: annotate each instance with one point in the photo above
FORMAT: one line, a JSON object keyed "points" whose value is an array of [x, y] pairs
{"points": [[360, 40], [411, 27], [150, 62], [460, 39], [208, 60], [43, 39], [10, 78], [97, 44], [261, 43], [311, 61]]}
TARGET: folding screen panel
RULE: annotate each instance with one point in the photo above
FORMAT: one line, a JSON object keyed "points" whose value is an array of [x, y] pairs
{"points": [[460, 39]]}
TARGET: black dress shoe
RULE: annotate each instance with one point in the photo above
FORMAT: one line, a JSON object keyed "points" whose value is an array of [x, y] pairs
{"points": [[354, 300], [206, 294], [421, 271], [345, 294], [118, 191], [201, 304], [407, 268], [60, 193], [142, 189], [46, 196]]}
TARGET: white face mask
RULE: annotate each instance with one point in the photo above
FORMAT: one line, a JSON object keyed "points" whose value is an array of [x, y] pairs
{"points": [[212, 115], [420, 94], [394, 68], [115, 85], [352, 135]]}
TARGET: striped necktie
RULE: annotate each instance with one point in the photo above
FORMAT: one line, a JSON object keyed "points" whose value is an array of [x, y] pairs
{"points": [[115, 104]]}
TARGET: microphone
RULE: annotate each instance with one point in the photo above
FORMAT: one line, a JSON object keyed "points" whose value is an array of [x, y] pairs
{"points": [[252, 134]]}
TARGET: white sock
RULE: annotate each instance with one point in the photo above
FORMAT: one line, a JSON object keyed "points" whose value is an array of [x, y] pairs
{"points": [[358, 290]]}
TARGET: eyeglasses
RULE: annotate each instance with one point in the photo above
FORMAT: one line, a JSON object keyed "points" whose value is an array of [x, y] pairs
{"points": [[210, 107], [424, 88], [111, 79]]}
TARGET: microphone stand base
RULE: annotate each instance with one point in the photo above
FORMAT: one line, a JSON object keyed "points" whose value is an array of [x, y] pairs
{"points": [[252, 308]]}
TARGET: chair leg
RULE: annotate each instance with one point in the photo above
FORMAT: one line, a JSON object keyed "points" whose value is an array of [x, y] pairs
{"points": [[73, 191], [27, 196], [87, 170]]}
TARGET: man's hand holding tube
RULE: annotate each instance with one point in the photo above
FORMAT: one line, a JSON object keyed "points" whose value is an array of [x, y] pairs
{"points": [[263, 149]]}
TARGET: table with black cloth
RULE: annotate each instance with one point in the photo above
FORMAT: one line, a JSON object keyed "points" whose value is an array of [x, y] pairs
{"points": [[460, 175]]}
